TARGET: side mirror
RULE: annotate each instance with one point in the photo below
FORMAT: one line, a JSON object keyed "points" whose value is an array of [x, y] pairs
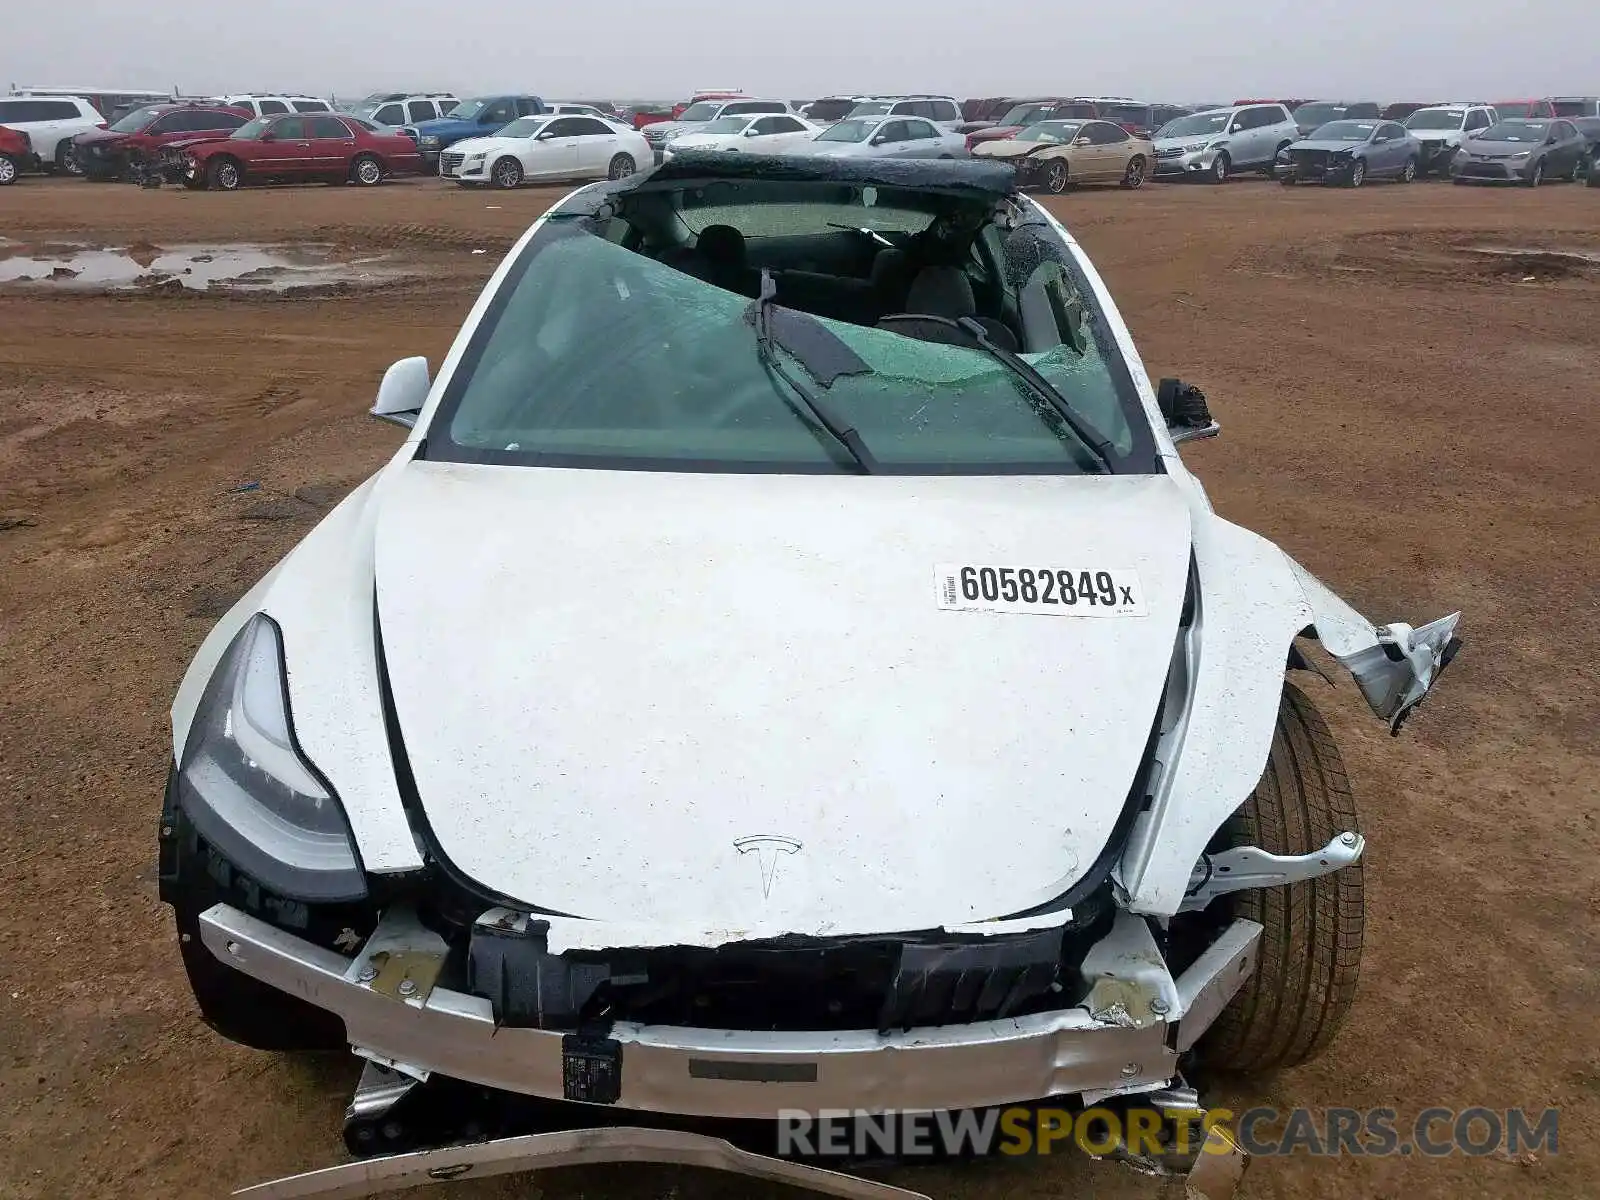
{"points": [[1183, 406], [879, 140], [269, 136], [403, 392], [1083, 141]]}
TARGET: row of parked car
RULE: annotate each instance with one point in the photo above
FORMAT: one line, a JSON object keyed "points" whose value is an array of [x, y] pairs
{"points": [[1053, 142]]}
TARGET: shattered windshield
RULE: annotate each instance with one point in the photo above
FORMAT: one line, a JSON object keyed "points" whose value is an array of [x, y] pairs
{"points": [[594, 355]]}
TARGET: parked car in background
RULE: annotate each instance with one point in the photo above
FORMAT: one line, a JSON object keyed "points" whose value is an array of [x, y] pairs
{"points": [[1589, 129], [50, 123], [645, 113], [1214, 145], [885, 137], [1025, 113], [576, 108], [750, 133], [1576, 106], [830, 109], [547, 147], [276, 105], [134, 143], [300, 148], [1522, 151], [1319, 112], [1511, 110], [987, 109], [16, 155], [1441, 129], [1352, 152], [397, 109], [700, 97], [1140, 119], [700, 114], [1401, 109], [1057, 155], [941, 110], [475, 117]]}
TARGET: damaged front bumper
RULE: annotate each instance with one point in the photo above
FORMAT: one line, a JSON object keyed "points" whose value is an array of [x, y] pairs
{"points": [[1125, 1037]]}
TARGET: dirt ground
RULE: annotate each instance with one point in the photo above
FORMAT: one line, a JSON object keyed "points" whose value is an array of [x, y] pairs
{"points": [[1414, 421]]}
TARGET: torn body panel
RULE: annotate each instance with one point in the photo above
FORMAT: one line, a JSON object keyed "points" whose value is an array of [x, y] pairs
{"points": [[1253, 602]]}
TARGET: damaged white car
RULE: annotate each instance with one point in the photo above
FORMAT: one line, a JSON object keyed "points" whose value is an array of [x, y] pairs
{"points": [[787, 666]]}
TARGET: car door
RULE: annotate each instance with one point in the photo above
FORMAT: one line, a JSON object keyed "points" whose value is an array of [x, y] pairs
{"points": [[1568, 147], [553, 153], [333, 146], [596, 145], [779, 133], [1109, 148], [283, 151], [924, 139]]}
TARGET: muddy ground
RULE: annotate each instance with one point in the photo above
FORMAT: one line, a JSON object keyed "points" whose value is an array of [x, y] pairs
{"points": [[1415, 421]]}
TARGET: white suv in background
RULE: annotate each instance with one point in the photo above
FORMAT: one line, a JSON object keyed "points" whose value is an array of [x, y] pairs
{"points": [[1441, 128], [1218, 142], [397, 108], [277, 106], [943, 111], [51, 122], [701, 113]]}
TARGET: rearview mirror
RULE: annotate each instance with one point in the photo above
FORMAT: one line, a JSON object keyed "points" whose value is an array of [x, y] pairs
{"points": [[1183, 406], [403, 392]]}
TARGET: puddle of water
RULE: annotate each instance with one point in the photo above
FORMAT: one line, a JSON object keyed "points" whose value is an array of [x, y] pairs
{"points": [[1583, 258], [242, 268]]}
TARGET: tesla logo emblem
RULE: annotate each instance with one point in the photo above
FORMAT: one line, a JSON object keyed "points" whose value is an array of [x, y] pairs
{"points": [[768, 848]]}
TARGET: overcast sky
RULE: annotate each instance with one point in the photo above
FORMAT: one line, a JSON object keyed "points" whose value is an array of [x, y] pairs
{"points": [[625, 49]]}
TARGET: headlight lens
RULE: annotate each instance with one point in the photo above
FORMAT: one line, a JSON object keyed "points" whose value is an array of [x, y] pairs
{"points": [[1196, 148], [1520, 154], [430, 140], [248, 789], [475, 158]]}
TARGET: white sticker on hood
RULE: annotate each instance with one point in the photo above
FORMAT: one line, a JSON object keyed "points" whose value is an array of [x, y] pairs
{"points": [[1040, 590]]}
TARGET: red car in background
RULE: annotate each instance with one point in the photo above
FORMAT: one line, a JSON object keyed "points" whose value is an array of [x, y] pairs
{"points": [[134, 143], [1524, 109], [1030, 112], [299, 148], [16, 148], [678, 108]]}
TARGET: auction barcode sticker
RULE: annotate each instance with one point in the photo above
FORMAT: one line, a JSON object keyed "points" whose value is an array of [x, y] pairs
{"points": [[1039, 590]]}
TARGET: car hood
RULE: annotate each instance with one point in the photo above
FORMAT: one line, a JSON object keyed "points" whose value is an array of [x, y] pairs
{"points": [[606, 681], [95, 137], [1332, 145], [443, 127], [1011, 148], [481, 145], [990, 133], [1484, 146]]}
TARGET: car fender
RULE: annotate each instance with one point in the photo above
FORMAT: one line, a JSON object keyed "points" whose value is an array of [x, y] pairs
{"points": [[1252, 602], [322, 597]]}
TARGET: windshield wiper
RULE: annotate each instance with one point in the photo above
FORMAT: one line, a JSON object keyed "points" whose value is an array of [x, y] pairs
{"points": [[820, 411], [1099, 445]]}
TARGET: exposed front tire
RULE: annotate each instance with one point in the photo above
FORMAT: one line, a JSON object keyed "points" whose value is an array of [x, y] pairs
{"points": [[1358, 173], [1057, 175], [1133, 177], [8, 170], [67, 159], [224, 175], [1408, 173], [506, 173], [1310, 948], [1221, 168], [366, 171], [1535, 179], [621, 167]]}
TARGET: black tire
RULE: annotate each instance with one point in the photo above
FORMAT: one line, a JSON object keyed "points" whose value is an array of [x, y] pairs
{"points": [[1268, 170], [1289, 178], [1057, 176], [506, 173], [1358, 172], [621, 167], [1577, 171], [1537, 177], [1408, 173], [10, 168], [366, 171], [1135, 175], [67, 158], [1310, 948], [1221, 168], [224, 174]]}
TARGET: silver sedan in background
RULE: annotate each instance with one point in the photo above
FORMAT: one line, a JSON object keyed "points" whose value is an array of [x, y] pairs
{"points": [[884, 137]]}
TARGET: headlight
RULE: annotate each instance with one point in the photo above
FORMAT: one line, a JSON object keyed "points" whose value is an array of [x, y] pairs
{"points": [[1196, 148], [474, 158], [248, 789], [429, 140], [1520, 154]]}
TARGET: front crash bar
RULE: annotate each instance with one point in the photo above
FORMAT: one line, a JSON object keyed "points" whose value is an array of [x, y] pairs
{"points": [[567, 1148]]}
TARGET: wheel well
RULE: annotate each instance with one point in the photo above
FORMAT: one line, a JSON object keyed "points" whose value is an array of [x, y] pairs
{"points": [[217, 159]]}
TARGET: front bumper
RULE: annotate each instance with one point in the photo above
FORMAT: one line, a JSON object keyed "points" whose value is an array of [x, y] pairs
{"points": [[1315, 167], [1436, 157], [1126, 1038], [102, 162], [1492, 171], [1184, 162], [454, 165]]}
